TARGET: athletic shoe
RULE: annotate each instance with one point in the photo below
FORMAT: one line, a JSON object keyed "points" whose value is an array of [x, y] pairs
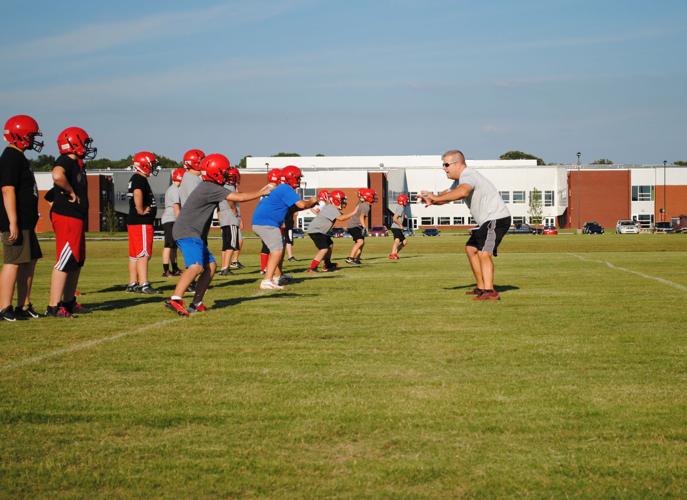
{"points": [[177, 306], [474, 291], [488, 295], [191, 288], [311, 270], [270, 285], [197, 308], [132, 288], [225, 272], [292, 259], [167, 274], [333, 266], [176, 272], [236, 265], [27, 312], [393, 256], [146, 289], [351, 260], [57, 312], [80, 309], [7, 314]]}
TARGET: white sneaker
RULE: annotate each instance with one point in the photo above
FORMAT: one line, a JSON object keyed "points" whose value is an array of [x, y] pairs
{"points": [[284, 279], [270, 285]]}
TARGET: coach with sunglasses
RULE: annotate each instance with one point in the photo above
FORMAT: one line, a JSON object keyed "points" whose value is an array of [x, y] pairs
{"points": [[489, 212]]}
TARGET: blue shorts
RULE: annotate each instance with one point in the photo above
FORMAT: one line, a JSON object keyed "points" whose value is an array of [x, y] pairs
{"points": [[195, 251]]}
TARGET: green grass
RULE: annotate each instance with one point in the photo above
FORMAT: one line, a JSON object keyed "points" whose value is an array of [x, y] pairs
{"points": [[379, 381]]}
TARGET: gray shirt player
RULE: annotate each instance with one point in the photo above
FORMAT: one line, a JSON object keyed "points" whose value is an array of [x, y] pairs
{"points": [[226, 215], [400, 212], [485, 202], [189, 182], [198, 209], [171, 197], [363, 209], [324, 220]]}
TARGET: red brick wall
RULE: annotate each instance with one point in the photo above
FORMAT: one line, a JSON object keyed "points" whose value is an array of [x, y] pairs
{"points": [[676, 202], [602, 196]]}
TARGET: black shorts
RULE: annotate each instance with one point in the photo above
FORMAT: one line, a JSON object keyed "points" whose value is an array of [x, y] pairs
{"points": [[322, 241], [356, 233], [487, 237], [230, 238], [288, 237], [398, 234], [167, 227]]}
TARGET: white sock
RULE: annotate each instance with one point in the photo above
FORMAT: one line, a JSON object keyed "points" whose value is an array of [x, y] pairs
{"points": [[175, 297]]}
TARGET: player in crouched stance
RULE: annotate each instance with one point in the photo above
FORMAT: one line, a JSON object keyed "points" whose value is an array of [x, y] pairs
{"points": [[398, 213], [328, 215], [189, 227]]}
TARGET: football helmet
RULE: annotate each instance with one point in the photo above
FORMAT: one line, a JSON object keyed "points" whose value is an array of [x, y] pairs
{"points": [[323, 196], [192, 159], [21, 131], [145, 163], [75, 140], [214, 168], [367, 194], [338, 199], [233, 176], [177, 174], [402, 199], [274, 176], [292, 176]]}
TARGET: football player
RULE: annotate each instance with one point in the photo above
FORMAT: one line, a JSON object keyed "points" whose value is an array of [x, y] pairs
{"points": [[328, 215], [398, 214], [229, 221], [357, 226], [172, 209]]}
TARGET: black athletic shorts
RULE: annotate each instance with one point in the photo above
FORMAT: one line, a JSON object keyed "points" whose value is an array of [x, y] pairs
{"points": [[487, 237], [356, 233], [169, 239], [398, 234], [321, 240], [230, 238]]}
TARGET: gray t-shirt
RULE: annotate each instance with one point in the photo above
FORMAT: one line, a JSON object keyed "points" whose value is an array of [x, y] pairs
{"points": [[198, 209], [171, 197], [485, 202], [363, 209], [226, 215], [400, 212], [189, 182], [324, 220]]}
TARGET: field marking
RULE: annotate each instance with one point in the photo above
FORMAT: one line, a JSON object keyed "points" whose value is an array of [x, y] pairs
{"points": [[646, 276], [81, 346]]}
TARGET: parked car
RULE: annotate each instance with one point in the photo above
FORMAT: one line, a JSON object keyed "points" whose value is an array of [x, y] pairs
{"points": [[549, 230], [408, 232], [378, 231], [663, 227], [523, 229], [431, 231], [592, 228], [627, 227], [336, 232], [297, 233]]}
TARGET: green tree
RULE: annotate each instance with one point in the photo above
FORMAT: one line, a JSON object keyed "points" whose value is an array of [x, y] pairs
{"points": [[281, 154], [603, 161], [680, 163], [319, 154], [535, 208], [244, 161], [44, 163], [519, 155]]}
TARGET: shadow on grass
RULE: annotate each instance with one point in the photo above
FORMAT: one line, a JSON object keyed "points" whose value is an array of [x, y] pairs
{"points": [[498, 288], [221, 303], [383, 259], [134, 300]]}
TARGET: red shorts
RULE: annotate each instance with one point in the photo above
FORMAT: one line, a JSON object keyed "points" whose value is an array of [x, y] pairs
{"points": [[140, 240], [70, 242]]}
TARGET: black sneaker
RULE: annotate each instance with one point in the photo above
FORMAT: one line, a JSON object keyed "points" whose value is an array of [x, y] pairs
{"points": [[27, 311], [58, 311], [292, 259], [225, 272], [236, 265], [7, 314], [191, 288], [132, 287], [146, 289]]}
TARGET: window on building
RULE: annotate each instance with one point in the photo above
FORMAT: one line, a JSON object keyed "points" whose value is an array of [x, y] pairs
{"points": [[535, 220], [471, 221], [459, 221], [304, 223], [309, 192], [444, 221], [412, 197], [427, 221], [505, 196], [642, 193], [518, 220], [518, 196], [645, 220], [549, 198]]}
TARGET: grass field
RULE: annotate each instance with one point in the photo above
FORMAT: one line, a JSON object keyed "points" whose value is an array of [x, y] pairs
{"points": [[379, 381]]}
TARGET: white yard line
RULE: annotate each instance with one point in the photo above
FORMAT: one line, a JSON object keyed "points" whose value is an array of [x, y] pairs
{"points": [[637, 273]]}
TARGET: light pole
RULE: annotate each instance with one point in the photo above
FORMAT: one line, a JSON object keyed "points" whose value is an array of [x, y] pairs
{"points": [[663, 218]]}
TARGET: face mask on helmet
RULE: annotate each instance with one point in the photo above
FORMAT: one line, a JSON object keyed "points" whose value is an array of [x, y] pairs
{"points": [[214, 168], [75, 140], [145, 163], [21, 131]]}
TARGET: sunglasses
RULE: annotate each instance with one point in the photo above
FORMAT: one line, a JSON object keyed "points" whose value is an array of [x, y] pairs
{"points": [[446, 165]]}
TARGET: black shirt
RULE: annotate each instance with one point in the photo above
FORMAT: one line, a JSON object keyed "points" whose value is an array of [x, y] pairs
{"points": [[288, 220], [139, 181], [15, 170], [77, 180]]}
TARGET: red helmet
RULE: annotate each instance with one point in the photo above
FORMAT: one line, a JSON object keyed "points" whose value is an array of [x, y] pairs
{"points": [[214, 168], [402, 199], [177, 174], [292, 176], [145, 163], [21, 131], [338, 198], [233, 176], [192, 159], [75, 140], [367, 194], [274, 176], [323, 195]]}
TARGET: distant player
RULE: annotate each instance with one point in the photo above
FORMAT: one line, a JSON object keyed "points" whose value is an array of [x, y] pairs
{"points": [[358, 224], [18, 218], [269, 217], [69, 214], [189, 181], [328, 215], [489, 212], [189, 227], [398, 214], [230, 221], [274, 178], [142, 211], [172, 210]]}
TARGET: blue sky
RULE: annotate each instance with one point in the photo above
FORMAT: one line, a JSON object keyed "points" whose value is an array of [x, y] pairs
{"points": [[550, 77]]}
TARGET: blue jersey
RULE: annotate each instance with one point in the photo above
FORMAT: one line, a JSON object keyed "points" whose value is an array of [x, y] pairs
{"points": [[272, 209]]}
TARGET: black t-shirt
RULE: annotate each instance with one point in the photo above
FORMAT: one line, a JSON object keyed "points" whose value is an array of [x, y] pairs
{"points": [[77, 180], [15, 170], [288, 220], [138, 181]]}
